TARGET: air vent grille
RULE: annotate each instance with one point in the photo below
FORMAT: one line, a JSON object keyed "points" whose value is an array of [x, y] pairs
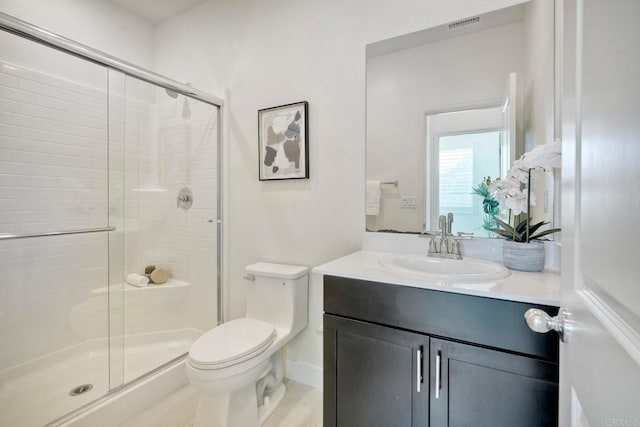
{"points": [[464, 22]]}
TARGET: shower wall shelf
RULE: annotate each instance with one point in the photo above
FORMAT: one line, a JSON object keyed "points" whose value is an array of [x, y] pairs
{"points": [[171, 283]]}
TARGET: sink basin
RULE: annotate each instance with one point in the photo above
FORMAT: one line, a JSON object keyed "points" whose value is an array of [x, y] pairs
{"points": [[443, 269]]}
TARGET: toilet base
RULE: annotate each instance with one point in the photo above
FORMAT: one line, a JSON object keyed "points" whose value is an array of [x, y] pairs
{"points": [[265, 411], [239, 409]]}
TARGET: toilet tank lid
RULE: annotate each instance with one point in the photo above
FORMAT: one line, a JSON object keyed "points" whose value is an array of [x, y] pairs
{"points": [[279, 271]]}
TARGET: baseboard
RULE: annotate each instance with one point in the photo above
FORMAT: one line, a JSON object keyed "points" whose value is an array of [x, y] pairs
{"points": [[304, 373]]}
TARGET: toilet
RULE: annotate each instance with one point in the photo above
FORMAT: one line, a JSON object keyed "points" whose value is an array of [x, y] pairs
{"points": [[239, 366]]}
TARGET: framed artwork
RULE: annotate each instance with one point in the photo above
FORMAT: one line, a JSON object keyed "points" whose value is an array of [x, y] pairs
{"points": [[283, 140]]}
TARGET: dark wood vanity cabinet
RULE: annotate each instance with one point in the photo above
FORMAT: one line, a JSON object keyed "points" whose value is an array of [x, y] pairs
{"points": [[380, 377], [401, 356], [488, 388]]}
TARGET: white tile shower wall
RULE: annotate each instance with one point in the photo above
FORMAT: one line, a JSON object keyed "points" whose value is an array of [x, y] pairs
{"points": [[187, 147], [46, 297], [55, 159], [170, 145], [53, 150], [53, 176]]}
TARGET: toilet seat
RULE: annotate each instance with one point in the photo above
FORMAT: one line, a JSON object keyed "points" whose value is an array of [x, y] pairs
{"points": [[231, 343]]}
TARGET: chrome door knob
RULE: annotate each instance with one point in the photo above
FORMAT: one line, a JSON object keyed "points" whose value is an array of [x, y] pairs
{"points": [[539, 321]]}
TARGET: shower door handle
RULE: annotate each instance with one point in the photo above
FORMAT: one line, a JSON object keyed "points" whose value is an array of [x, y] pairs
{"points": [[55, 233]]}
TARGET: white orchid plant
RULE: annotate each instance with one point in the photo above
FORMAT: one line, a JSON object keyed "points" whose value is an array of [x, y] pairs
{"points": [[514, 193]]}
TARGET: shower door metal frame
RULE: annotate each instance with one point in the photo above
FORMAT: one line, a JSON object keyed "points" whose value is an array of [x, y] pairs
{"points": [[56, 41], [32, 32], [39, 35]]}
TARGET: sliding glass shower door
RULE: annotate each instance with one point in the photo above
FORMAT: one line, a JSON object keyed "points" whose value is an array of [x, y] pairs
{"points": [[169, 158], [95, 170], [54, 238]]}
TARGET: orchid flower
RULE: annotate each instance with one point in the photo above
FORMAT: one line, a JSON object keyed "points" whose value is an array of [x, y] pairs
{"points": [[514, 192]]}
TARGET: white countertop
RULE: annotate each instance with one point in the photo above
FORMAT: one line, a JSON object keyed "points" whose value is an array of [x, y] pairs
{"points": [[537, 288]]}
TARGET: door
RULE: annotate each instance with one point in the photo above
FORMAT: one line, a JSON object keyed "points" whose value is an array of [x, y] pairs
{"points": [[378, 372], [600, 360], [475, 386]]}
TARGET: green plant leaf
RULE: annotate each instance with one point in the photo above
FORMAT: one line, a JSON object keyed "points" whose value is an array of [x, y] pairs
{"points": [[503, 233], [481, 190], [533, 228], [521, 227], [544, 233], [504, 225]]}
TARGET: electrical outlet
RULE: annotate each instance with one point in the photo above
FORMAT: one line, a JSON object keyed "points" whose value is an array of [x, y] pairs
{"points": [[408, 202]]}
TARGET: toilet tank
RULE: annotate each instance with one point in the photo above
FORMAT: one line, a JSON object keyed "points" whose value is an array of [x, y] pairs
{"points": [[278, 294]]}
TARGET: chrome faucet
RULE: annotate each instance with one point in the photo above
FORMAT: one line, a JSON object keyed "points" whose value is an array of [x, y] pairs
{"points": [[448, 246]]}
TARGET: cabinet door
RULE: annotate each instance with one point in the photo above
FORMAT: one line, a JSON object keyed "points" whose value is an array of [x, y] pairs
{"points": [[374, 375], [474, 386]]}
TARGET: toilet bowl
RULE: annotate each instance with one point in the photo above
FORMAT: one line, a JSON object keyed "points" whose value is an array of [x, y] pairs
{"points": [[238, 366]]}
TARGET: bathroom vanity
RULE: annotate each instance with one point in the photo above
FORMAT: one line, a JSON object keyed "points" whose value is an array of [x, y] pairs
{"points": [[405, 352]]}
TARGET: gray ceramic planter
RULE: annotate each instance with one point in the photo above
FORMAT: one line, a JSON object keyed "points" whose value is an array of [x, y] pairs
{"points": [[523, 256]]}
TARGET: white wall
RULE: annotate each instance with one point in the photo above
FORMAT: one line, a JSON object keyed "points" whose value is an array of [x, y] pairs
{"points": [[538, 94], [276, 52], [404, 86], [539, 83], [99, 24]]}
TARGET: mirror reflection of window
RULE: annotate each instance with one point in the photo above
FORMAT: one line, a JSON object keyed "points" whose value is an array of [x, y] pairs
{"points": [[464, 160], [463, 147]]}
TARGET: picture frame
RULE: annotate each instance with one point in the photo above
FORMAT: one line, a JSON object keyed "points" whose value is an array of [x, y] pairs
{"points": [[283, 142]]}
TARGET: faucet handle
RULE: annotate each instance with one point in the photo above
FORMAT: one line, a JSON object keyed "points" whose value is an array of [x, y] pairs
{"points": [[455, 249], [449, 222], [461, 235], [432, 245]]}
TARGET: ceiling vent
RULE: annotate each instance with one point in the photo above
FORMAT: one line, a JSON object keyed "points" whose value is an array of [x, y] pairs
{"points": [[464, 22]]}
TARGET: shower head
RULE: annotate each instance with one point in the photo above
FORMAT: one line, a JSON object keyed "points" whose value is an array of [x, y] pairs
{"points": [[173, 93]]}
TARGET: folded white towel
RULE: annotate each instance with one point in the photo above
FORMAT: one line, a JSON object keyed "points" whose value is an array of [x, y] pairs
{"points": [[373, 197], [137, 280]]}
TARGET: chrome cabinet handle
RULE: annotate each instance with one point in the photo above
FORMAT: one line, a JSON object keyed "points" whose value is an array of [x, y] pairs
{"points": [[438, 365], [539, 321], [418, 369]]}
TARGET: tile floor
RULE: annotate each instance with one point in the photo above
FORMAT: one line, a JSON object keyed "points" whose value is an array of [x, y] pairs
{"points": [[301, 407]]}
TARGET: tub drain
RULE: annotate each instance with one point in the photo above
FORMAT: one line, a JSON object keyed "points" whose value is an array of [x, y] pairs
{"points": [[81, 389]]}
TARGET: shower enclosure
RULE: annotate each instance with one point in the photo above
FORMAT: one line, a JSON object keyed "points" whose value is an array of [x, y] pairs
{"points": [[95, 158]]}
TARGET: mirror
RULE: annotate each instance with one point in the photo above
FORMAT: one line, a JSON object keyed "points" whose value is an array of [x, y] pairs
{"points": [[452, 104]]}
